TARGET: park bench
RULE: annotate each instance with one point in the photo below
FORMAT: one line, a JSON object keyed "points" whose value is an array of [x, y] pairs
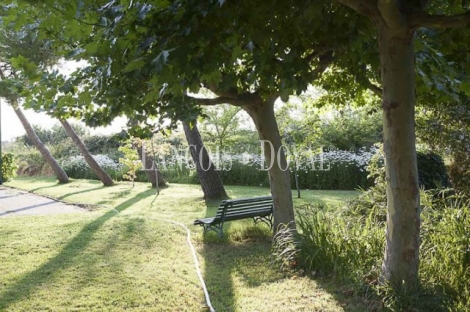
{"points": [[258, 208]]}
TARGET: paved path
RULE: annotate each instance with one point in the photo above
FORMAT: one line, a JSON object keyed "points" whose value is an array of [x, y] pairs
{"points": [[15, 202]]}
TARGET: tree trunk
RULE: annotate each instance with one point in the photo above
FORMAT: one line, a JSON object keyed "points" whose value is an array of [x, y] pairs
{"points": [[401, 261], [154, 175], [263, 116], [100, 173], [210, 180], [58, 171]]}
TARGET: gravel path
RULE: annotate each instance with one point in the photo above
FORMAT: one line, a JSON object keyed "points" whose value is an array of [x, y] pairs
{"points": [[15, 202]]}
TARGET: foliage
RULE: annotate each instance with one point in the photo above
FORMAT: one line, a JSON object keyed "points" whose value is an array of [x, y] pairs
{"points": [[220, 124], [55, 138], [130, 160], [76, 167], [31, 163], [103, 144], [447, 129], [459, 171], [9, 166], [331, 170], [445, 242], [431, 171], [52, 135], [348, 243], [352, 129], [160, 69], [347, 128]]}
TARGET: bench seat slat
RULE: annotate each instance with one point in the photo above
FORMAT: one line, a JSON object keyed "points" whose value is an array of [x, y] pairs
{"points": [[258, 210], [253, 207]]}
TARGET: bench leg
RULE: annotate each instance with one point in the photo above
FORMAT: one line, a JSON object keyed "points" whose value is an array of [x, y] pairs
{"points": [[218, 228], [268, 220]]}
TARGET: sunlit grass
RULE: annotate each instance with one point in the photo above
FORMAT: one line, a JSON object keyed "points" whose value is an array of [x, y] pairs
{"points": [[102, 260]]}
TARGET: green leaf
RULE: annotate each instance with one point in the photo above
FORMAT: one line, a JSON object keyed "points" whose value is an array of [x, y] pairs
{"points": [[134, 65]]}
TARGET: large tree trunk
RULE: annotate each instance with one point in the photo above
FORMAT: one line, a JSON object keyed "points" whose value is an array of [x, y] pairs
{"points": [[100, 173], [401, 262], [210, 180], [154, 175], [58, 171], [263, 116]]}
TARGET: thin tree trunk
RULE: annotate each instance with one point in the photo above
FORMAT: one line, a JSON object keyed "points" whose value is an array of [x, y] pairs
{"points": [[154, 175], [401, 261], [100, 173], [210, 180], [58, 171], [263, 116]]}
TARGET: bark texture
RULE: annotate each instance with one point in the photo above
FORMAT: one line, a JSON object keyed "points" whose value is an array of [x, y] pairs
{"points": [[100, 173], [401, 261], [209, 178], [262, 113], [58, 171], [154, 175]]}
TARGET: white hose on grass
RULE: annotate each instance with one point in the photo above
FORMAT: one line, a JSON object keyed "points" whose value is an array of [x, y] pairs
{"points": [[193, 252]]}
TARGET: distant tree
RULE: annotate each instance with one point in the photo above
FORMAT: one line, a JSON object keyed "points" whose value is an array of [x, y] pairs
{"points": [[58, 171], [351, 129], [130, 160], [149, 164], [220, 124], [21, 56], [100, 173], [209, 179]]}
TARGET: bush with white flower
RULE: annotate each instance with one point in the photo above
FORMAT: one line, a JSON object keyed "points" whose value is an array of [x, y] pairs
{"points": [[77, 167], [318, 169]]}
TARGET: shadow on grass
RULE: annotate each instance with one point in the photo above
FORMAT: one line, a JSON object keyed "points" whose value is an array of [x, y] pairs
{"points": [[223, 259], [25, 286], [242, 251], [80, 192], [45, 187]]}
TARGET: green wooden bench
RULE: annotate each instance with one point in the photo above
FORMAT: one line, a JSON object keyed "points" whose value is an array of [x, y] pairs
{"points": [[258, 208]]}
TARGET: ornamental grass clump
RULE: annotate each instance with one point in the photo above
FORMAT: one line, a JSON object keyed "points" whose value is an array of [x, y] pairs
{"points": [[347, 243]]}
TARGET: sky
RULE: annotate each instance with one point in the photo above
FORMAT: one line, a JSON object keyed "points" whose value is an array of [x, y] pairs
{"points": [[11, 126]]}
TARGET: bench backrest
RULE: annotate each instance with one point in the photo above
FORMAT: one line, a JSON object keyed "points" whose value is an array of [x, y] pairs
{"points": [[246, 207]]}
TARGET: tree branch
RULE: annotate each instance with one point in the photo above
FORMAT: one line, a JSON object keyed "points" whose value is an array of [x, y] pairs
{"points": [[318, 52], [215, 101], [325, 61], [421, 19], [365, 7], [374, 88], [391, 14]]}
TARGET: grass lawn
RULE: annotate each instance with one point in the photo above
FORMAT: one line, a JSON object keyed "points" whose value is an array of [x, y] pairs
{"points": [[99, 260]]}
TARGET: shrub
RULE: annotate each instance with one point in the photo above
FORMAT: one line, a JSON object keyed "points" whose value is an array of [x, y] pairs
{"points": [[330, 244], [9, 166], [348, 244], [31, 163], [459, 171], [130, 161], [339, 170], [76, 167], [431, 171]]}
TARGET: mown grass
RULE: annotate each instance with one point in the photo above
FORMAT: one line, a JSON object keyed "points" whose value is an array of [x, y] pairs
{"points": [[101, 260]]}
